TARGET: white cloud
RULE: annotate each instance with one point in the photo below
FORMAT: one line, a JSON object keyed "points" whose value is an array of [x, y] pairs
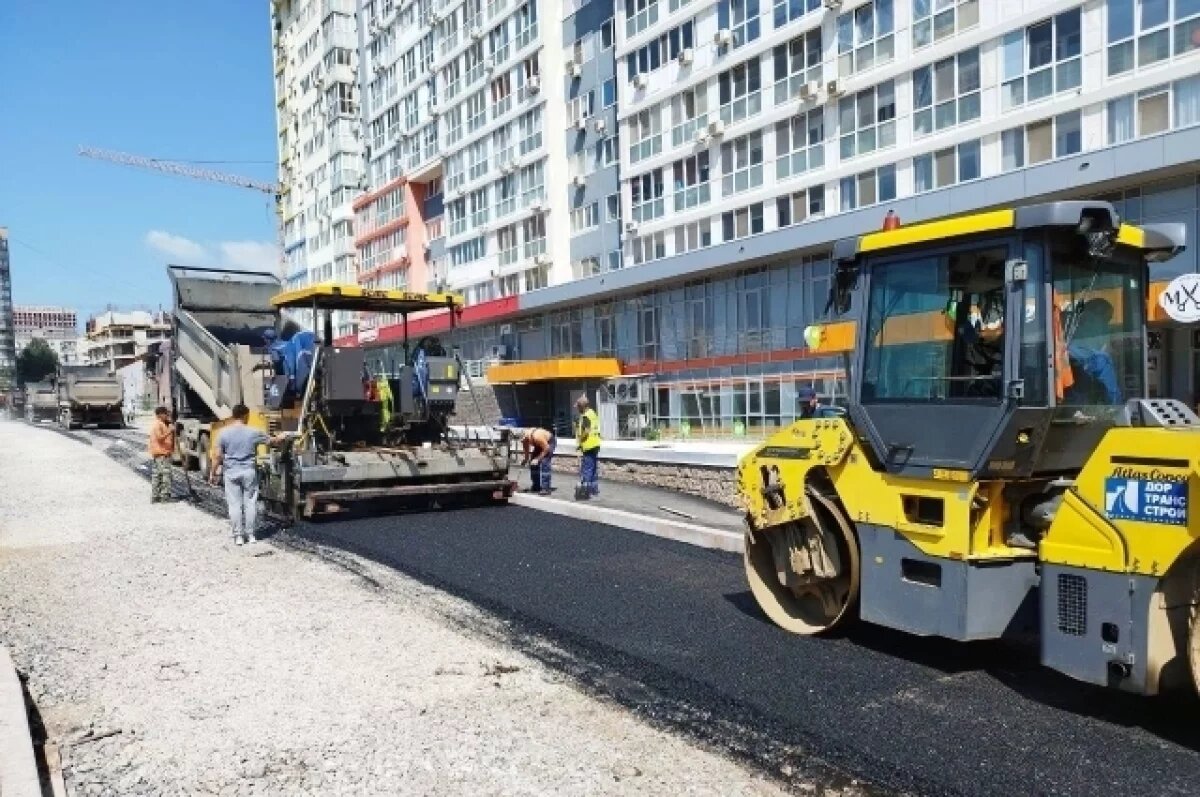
{"points": [[250, 255], [177, 247], [247, 255]]}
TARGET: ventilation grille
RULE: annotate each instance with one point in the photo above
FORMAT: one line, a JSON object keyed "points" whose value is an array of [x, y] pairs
{"points": [[1072, 604]]}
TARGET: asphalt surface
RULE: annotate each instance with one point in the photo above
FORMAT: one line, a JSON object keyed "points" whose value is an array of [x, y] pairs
{"points": [[671, 632]]}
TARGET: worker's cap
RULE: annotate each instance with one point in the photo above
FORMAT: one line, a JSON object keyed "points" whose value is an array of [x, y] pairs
{"points": [[806, 394]]}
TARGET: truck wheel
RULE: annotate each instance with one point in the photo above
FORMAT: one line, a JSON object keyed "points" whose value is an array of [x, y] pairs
{"points": [[1194, 648], [805, 575], [204, 466]]}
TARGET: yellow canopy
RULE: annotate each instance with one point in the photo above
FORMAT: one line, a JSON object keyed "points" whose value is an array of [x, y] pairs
{"points": [[332, 296]]}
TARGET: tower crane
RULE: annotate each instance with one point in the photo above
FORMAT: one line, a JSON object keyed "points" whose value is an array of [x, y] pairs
{"points": [[182, 169]]}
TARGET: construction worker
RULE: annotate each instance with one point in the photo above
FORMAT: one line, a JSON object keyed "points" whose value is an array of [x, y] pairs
{"points": [[237, 448], [588, 438], [538, 445], [162, 446]]}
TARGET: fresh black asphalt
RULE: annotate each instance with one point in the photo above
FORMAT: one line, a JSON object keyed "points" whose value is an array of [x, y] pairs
{"points": [[672, 632]]}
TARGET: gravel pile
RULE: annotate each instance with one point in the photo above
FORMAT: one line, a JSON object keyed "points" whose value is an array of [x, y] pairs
{"points": [[164, 660]]}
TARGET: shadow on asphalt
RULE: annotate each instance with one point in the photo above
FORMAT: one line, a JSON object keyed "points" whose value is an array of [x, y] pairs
{"points": [[1015, 665]]}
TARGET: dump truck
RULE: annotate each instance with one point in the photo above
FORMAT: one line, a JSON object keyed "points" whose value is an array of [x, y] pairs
{"points": [[223, 325], [366, 435], [41, 402], [999, 471], [89, 395]]}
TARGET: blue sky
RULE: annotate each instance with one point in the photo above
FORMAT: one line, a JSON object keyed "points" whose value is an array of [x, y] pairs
{"points": [[163, 78]]}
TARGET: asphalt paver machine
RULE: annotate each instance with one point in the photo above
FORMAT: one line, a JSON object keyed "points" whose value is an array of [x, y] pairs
{"points": [[999, 471], [369, 432]]}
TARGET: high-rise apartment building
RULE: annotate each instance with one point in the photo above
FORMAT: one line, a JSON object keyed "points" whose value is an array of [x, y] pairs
{"points": [[57, 326], [320, 149], [755, 133], [8, 352]]}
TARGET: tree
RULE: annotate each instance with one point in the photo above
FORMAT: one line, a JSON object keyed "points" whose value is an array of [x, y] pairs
{"points": [[36, 361]]}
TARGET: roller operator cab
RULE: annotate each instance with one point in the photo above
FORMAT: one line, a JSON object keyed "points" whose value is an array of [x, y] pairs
{"points": [[999, 469], [369, 430]]}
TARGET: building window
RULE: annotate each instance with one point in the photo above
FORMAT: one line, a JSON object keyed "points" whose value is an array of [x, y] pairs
{"points": [[934, 20], [613, 207], [647, 196], [800, 144], [1187, 102], [477, 201], [1042, 60], [688, 114], [691, 181], [649, 247], [468, 252], [586, 217], [740, 18], [946, 94], [791, 10], [741, 164], [530, 128], [742, 223], [797, 64], [639, 15], [477, 160], [797, 207], [508, 244], [661, 51], [867, 120], [608, 93], [566, 332], [1136, 115], [1145, 32], [946, 167], [868, 188], [506, 195], [581, 107], [606, 35], [690, 237], [536, 278], [865, 37], [1041, 141], [645, 128], [533, 232], [739, 90]]}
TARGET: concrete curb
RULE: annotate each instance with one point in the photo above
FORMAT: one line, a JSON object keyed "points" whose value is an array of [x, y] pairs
{"points": [[18, 768], [689, 533]]}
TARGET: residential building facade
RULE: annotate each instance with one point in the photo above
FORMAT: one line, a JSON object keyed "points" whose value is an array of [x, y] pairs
{"points": [[755, 133], [8, 351], [57, 326], [115, 339], [315, 45]]}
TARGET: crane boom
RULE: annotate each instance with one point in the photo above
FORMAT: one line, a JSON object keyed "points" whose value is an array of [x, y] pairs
{"points": [[180, 169]]}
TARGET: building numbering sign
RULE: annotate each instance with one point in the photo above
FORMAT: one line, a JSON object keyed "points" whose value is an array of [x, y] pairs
{"points": [[1181, 298], [1148, 498]]}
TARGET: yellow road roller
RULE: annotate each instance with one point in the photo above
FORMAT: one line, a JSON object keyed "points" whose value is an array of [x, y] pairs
{"points": [[998, 469]]}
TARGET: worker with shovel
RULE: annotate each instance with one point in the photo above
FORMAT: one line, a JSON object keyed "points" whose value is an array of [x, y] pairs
{"points": [[538, 445]]}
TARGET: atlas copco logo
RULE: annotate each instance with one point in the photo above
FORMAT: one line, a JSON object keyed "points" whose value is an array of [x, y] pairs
{"points": [[1148, 475]]}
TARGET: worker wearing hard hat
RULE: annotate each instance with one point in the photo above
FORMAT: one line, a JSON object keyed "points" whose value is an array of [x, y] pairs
{"points": [[538, 445]]}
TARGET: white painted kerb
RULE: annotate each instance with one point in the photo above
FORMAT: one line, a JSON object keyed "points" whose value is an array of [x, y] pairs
{"points": [[18, 769]]}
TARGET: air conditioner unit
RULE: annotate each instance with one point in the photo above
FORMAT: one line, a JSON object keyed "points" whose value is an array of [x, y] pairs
{"points": [[579, 181], [686, 56], [631, 227], [476, 33], [434, 109], [833, 5], [723, 38], [809, 90], [600, 125], [716, 127], [489, 66], [535, 84], [536, 207], [832, 88], [575, 69], [702, 138], [542, 260], [639, 81], [507, 166]]}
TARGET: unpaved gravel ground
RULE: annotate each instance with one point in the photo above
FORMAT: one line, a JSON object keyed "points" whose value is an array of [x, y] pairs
{"points": [[164, 661]]}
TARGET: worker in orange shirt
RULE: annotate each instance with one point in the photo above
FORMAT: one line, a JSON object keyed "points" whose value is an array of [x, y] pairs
{"points": [[162, 447]]}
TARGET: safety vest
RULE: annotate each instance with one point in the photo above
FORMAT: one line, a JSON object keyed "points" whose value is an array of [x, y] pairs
{"points": [[590, 440]]}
